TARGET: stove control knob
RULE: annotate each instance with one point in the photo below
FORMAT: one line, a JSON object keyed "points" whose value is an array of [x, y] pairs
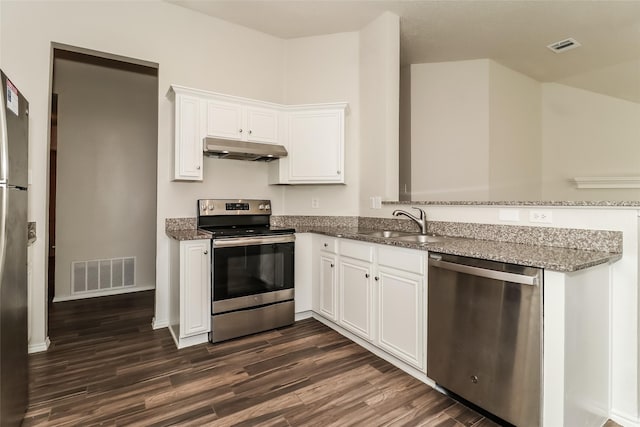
{"points": [[267, 207], [210, 206], [261, 207]]}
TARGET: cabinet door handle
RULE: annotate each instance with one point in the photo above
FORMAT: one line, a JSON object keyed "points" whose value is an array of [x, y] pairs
{"points": [[250, 131], [239, 130], [206, 252], [197, 167], [376, 278], [332, 265], [326, 245], [338, 172], [366, 275]]}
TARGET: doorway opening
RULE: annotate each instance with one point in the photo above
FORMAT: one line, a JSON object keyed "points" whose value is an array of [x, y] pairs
{"points": [[102, 176]]}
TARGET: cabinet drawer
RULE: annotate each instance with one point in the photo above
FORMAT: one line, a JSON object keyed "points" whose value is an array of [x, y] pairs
{"points": [[402, 259], [356, 250], [328, 244]]}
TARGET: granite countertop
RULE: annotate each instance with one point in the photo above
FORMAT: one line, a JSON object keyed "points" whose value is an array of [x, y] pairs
{"points": [[551, 258], [550, 203], [548, 257], [188, 234]]}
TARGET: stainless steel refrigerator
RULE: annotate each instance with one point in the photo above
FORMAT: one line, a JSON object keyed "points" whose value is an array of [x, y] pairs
{"points": [[14, 143]]}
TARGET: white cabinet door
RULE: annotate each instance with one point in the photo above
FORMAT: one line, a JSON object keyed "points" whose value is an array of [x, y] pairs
{"points": [[328, 285], [237, 121], [315, 141], [261, 125], [195, 264], [355, 296], [401, 318], [314, 138], [224, 120], [188, 139]]}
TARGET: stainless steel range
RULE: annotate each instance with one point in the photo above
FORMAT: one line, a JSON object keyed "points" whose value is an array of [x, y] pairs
{"points": [[252, 268]]}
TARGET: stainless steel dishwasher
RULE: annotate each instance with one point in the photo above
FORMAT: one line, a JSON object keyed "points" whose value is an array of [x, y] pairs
{"points": [[484, 334]]}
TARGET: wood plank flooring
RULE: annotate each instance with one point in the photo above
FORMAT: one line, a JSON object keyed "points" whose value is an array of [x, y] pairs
{"points": [[107, 367]]}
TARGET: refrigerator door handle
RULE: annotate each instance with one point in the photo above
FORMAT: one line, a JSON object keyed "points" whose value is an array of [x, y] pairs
{"points": [[4, 168], [4, 197], [4, 138]]}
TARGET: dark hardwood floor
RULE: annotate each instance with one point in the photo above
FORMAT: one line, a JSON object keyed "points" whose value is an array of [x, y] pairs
{"points": [[107, 367]]}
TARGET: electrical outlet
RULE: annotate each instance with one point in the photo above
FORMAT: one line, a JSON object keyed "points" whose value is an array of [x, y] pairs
{"points": [[541, 216], [315, 202]]}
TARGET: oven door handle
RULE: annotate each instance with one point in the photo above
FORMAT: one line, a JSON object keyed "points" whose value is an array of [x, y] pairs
{"points": [[251, 241]]}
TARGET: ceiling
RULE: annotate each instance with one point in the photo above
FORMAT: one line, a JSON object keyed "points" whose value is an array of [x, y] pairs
{"points": [[512, 32]]}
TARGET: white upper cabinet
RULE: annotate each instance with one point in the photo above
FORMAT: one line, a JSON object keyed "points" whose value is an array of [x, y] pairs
{"points": [[312, 134], [188, 137], [224, 120], [262, 125], [314, 139], [242, 122]]}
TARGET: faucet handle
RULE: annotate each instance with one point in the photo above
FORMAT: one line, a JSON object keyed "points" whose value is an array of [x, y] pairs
{"points": [[423, 214]]}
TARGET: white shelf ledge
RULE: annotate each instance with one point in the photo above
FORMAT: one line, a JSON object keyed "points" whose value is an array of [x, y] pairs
{"points": [[607, 181]]}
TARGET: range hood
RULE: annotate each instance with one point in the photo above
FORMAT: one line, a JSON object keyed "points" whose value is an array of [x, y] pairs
{"points": [[242, 150]]}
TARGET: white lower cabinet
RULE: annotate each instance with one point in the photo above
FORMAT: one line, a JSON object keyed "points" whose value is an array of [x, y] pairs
{"points": [[355, 296], [327, 304], [380, 295], [401, 315], [190, 287]]}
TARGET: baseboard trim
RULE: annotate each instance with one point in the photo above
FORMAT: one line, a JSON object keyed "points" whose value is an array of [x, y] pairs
{"points": [[159, 324], [303, 315], [417, 374], [104, 293], [39, 347], [624, 419], [188, 341]]}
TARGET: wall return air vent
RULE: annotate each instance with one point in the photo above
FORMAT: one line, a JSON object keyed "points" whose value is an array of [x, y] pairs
{"points": [[564, 45]]}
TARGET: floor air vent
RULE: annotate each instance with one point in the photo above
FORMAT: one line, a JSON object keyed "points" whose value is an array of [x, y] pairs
{"points": [[102, 274]]}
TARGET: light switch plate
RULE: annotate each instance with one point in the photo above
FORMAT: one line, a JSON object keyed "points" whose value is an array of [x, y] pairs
{"points": [[377, 204]]}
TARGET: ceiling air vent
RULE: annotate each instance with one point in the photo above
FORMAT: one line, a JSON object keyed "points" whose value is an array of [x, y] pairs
{"points": [[564, 45]]}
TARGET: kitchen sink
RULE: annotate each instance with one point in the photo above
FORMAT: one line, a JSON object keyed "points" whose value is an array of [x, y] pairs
{"points": [[419, 238], [385, 233]]}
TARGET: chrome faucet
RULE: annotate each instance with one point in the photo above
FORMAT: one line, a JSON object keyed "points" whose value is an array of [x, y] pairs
{"points": [[421, 220]]}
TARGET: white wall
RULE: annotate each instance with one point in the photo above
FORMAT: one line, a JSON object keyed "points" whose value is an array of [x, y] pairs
{"points": [[325, 69], [515, 138], [380, 103], [515, 152], [450, 130], [587, 134], [361, 68], [191, 49], [107, 139]]}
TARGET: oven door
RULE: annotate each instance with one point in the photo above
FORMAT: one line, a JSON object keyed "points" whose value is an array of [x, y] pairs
{"points": [[253, 271]]}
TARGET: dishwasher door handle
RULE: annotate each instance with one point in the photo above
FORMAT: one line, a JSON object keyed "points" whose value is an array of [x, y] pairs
{"points": [[483, 272]]}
